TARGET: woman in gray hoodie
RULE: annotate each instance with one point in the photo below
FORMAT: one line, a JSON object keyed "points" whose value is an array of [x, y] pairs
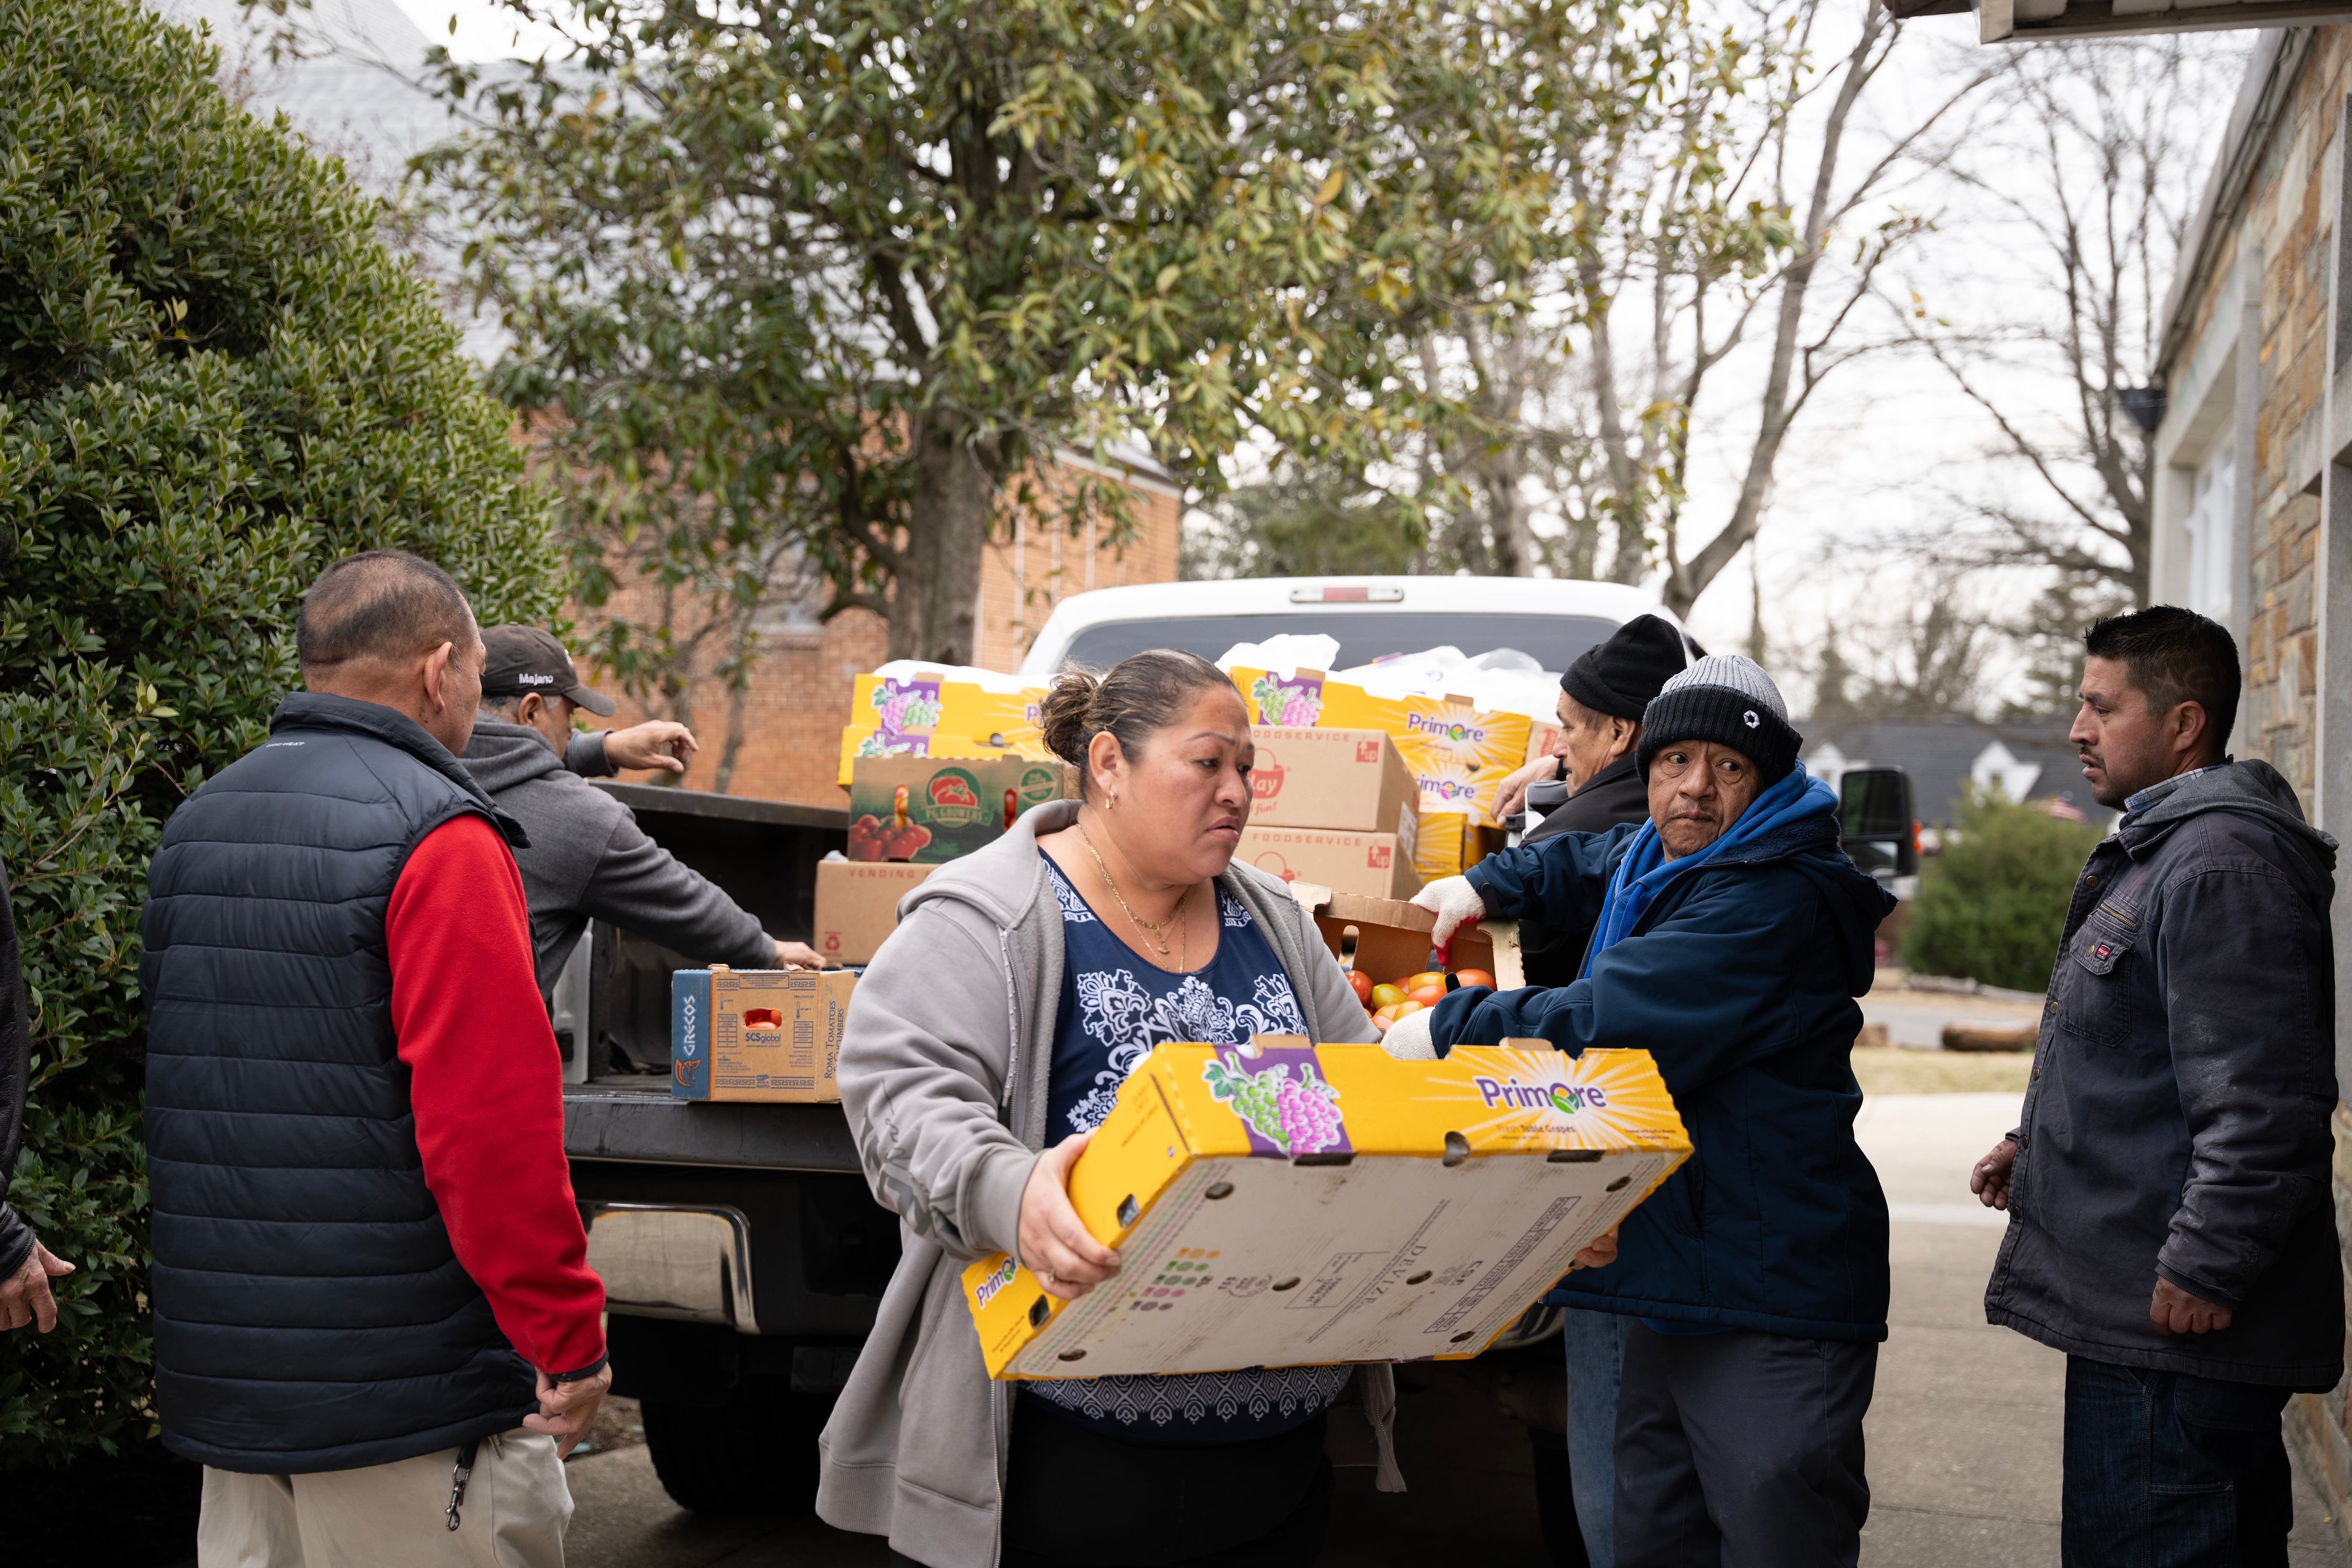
{"points": [[986, 1041]]}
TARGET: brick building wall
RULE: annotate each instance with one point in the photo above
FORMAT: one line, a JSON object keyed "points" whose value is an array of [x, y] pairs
{"points": [[792, 714], [2259, 344]]}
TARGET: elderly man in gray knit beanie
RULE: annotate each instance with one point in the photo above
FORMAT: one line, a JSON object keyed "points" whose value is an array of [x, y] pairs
{"points": [[1729, 936]]}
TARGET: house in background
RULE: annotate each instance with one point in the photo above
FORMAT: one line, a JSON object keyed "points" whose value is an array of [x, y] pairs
{"points": [[1944, 757]]}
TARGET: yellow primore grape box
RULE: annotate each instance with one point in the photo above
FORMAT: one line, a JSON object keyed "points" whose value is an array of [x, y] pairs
{"points": [[935, 702], [1450, 728], [1448, 785], [1282, 1205]]}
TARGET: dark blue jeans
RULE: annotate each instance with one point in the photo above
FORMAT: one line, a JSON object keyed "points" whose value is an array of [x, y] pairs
{"points": [[2165, 1468]]}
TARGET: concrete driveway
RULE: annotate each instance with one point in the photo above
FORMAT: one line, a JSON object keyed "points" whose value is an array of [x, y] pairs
{"points": [[1963, 1433]]}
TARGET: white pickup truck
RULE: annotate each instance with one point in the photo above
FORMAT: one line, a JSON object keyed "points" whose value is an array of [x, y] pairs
{"points": [[741, 1254]]}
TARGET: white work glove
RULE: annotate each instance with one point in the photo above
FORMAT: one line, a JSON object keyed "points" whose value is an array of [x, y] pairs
{"points": [[1408, 1039], [1454, 902]]}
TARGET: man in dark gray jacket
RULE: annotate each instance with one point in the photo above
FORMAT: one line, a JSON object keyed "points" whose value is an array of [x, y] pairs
{"points": [[588, 859], [2172, 1227]]}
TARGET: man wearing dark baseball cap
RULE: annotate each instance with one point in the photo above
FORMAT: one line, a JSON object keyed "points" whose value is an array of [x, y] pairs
{"points": [[587, 858], [523, 660]]}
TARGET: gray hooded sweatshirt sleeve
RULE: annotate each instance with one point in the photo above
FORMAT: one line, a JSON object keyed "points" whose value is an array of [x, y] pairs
{"points": [[588, 860], [944, 1071]]}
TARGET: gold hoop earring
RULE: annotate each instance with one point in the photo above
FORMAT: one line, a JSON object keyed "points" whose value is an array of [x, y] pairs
{"points": [[1110, 804]]}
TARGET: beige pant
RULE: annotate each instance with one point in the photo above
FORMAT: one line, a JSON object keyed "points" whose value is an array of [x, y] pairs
{"points": [[515, 1508]]}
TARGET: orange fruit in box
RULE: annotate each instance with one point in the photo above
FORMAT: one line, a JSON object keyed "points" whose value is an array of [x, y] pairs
{"points": [[1363, 985], [1427, 996], [1475, 978], [1412, 983]]}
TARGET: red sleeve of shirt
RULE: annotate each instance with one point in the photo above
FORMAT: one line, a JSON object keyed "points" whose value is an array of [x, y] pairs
{"points": [[487, 1087]]}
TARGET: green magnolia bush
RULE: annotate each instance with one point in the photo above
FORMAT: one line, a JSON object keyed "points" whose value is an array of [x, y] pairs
{"points": [[1992, 904], [212, 380]]}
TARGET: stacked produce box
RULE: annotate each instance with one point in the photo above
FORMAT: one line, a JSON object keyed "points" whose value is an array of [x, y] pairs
{"points": [[904, 711], [1458, 751], [938, 762], [1335, 809]]}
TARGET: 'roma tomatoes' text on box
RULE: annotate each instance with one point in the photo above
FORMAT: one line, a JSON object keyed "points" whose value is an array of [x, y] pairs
{"points": [[1284, 1205]]}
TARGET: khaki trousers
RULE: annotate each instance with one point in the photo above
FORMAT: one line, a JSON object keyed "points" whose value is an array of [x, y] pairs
{"points": [[517, 1505]]}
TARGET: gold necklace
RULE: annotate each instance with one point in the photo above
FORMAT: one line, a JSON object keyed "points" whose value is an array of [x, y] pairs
{"points": [[1159, 932]]}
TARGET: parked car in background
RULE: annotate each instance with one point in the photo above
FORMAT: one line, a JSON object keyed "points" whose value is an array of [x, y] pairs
{"points": [[1550, 620]]}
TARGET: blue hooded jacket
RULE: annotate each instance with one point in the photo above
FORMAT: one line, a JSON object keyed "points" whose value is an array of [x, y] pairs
{"points": [[1739, 975]]}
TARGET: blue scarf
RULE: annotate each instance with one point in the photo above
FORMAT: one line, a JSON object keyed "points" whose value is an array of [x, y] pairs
{"points": [[1645, 871]]}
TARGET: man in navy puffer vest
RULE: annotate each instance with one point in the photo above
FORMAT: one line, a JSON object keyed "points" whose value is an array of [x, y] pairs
{"points": [[370, 1279]]}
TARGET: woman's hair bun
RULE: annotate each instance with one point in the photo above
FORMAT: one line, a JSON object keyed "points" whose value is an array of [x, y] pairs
{"points": [[1062, 717], [1135, 699]]}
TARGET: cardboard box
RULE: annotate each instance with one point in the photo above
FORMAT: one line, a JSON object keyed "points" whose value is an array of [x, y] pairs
{"points": [[1389, 940], [937, 704], [1440, 725], [757, 1034], [1543, 740], [858, 743], [1308, 777], [1438, 851], [1282, 1205], [1377, 864], [858, 906], [1447, 784], [1451, 842], [954, 805]]}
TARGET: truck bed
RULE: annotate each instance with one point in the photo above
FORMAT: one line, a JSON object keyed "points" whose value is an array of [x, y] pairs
{"points": [[634, 1119]]}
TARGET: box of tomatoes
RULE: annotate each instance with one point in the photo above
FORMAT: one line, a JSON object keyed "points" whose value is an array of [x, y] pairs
{"points": [[1383, 944], [928, 810]]}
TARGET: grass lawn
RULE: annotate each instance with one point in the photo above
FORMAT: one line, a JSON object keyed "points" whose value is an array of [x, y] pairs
{"points": [[1892, 1069]]}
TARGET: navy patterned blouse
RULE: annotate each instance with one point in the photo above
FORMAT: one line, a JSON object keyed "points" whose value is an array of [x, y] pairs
{"points": [[1114, 1008]]}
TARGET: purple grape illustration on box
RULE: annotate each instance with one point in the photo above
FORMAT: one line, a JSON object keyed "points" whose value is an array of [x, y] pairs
{"points": [[1296, 1115], [1295, 703], [913, 706]]}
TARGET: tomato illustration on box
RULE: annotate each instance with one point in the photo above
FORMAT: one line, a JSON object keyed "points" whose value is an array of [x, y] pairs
{"points": [[1282, 1204], [929, 810]]}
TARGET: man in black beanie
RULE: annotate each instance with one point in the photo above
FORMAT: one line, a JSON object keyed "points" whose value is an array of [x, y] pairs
{"points": [[1602, 698]]}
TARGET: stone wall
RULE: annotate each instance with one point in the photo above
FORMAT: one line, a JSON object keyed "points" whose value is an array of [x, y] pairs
{"points": [[2288, 208]]}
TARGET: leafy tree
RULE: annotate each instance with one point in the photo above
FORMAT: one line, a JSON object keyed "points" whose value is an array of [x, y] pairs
{"points": [[213, 380], [1992, 903], [1309, 522], [845, 272]]}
